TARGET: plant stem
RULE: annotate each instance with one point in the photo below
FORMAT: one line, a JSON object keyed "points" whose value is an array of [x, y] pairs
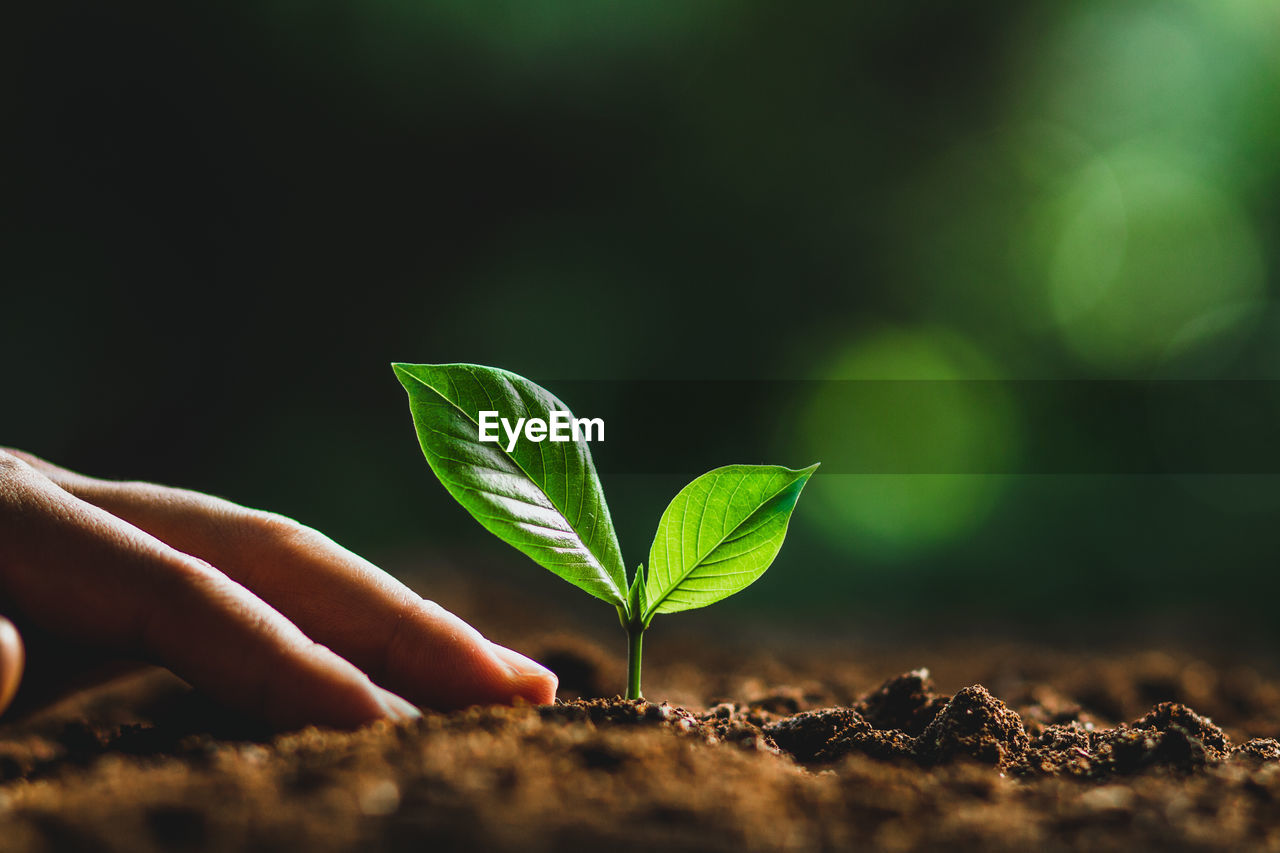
{"points": [[635, 636]]}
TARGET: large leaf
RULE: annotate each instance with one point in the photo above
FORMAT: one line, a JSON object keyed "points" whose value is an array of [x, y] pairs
{"points": [[720, 534], [542, 497]]}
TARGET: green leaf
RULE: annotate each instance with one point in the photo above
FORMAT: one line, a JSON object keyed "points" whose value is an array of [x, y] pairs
{"points": [[719, 534], [637, 599], [543, 497]]}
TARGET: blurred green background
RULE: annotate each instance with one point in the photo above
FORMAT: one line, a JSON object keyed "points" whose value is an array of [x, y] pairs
{"points": [[221, 222]]}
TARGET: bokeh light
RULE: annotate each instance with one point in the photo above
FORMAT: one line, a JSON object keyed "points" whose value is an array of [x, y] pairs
{"points": [[1151, 262], [912, 439]]}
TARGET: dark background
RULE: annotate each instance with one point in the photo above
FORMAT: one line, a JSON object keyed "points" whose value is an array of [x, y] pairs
{"points": [[221, 222]]}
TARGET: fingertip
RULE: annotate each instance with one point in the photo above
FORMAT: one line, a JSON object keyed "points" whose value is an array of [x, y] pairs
{"points": [[397, 708], [536, 689], [528, 680], [12, 659]]}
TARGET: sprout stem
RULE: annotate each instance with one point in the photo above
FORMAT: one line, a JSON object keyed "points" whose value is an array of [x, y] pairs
{"points": [[635, 636]]}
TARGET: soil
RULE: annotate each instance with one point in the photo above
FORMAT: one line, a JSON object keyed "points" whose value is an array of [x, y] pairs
{"points": [[766, 742]]}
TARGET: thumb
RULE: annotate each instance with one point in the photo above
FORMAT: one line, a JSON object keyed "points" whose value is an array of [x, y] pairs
{"points": [[11, 661]]}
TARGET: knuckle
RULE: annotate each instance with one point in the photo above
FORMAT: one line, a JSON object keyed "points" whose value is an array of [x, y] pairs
{"points": [[185, 577], [151, 493], [273, 527], [259, 531], [431, 608], [13, 460]]}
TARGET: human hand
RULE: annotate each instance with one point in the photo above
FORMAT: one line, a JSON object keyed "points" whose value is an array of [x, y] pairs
{"points": [[265, 615]]}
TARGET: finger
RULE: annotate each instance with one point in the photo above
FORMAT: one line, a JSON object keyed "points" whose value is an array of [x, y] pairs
{"points": [[11, 662], [413, 646], [73, 569]]}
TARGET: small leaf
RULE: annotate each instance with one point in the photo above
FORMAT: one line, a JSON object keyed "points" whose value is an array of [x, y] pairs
{"points": [[543, 497], [719, 534], [637, 600]]}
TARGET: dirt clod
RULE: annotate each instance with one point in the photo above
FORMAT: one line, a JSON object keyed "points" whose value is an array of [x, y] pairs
{"points": [[906, 703], [1171, 717], [974, 724], [1170, 736], [1257, 750], [805, 736]]}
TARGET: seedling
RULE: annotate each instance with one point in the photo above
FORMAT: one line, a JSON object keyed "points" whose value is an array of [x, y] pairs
{"points": [[717, 536]]}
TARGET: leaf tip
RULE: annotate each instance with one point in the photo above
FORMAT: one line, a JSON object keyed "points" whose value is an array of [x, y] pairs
{"points": [[408, 374]]}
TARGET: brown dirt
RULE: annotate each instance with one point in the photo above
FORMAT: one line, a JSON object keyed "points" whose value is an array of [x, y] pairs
{"points": [[787, 744]]}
